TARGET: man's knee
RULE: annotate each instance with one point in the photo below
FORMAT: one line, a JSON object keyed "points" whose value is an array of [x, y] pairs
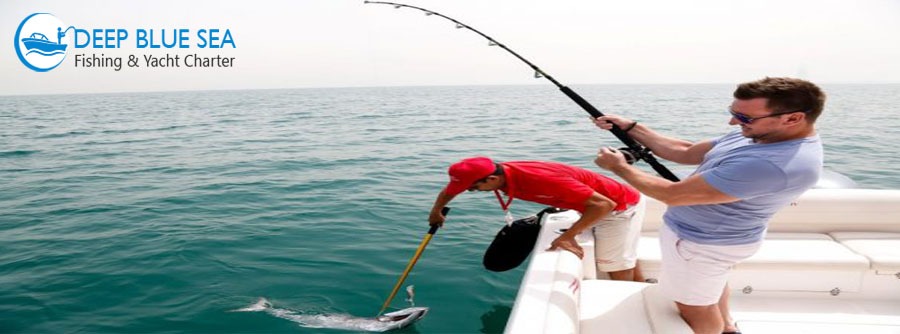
{"points": [[700, 314]]}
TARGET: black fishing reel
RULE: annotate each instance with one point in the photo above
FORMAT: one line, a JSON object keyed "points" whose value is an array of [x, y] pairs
{"points": [[632, 155]]}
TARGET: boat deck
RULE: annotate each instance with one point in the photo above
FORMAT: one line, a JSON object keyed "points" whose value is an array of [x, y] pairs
{"points": [[830, 264], [815, 315]]}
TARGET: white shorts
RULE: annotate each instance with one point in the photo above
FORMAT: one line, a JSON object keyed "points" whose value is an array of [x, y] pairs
{"points": [[616, 237], [695, 274]]}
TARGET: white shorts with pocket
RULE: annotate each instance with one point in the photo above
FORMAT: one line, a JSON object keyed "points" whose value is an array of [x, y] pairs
{"points": [[616, 237], [695, 274]]}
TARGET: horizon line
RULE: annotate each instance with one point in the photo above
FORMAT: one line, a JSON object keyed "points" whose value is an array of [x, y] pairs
{"points": [[407, 86]]}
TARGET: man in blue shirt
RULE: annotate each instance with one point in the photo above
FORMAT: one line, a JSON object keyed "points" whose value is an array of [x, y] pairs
{"points": [[717, 216]]}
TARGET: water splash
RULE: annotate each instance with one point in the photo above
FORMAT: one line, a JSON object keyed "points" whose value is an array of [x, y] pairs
{"points": [[389, 321]]}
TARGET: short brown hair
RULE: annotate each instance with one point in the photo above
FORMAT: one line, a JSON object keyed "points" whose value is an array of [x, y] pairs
{"points": [[785, 95]]}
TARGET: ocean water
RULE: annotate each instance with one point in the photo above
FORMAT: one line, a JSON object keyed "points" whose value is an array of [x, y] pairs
{"points": [[161, 212]]}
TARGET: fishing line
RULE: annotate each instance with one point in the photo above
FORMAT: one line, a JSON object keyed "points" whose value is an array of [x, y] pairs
{"points": [[638, 151]]}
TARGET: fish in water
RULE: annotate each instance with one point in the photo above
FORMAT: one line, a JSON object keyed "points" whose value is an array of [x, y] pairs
{"points": [[388, 321]]}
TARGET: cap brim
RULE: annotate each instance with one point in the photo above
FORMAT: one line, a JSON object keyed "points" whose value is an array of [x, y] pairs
{"points": [[455, 188]]}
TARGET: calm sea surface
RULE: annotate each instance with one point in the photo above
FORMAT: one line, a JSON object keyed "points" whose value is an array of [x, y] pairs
{"points": [[160, 212]]}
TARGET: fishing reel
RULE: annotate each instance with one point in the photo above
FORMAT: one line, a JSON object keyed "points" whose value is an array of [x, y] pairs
{"points": [[632, 155]]}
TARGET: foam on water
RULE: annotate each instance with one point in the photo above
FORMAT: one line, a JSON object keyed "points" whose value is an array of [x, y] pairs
{"points": [[404, 317]]}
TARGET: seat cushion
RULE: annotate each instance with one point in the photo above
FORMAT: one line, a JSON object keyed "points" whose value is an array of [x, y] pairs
{"points": [[803, 251], [881, 248], [779, 251]]}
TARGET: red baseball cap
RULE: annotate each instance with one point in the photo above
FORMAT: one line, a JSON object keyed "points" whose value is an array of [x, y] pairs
{"points": [[465, 172]]}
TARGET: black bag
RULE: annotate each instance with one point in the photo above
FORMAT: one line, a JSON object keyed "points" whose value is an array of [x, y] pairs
{"points": [[514, 242]]}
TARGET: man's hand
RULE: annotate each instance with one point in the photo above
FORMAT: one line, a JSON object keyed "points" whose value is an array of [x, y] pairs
{"points": [[568, 243], [610, 159], [606, 122], [436, 219]]}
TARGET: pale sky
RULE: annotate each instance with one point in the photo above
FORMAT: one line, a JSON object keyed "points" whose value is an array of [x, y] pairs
{"points": [[344, 43]]}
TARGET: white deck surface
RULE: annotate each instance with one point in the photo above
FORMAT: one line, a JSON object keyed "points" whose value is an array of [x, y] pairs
{"points": [[815, 315]]}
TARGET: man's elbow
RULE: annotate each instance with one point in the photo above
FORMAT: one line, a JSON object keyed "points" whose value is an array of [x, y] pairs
{"points": [[605, 204], [671, 197]]}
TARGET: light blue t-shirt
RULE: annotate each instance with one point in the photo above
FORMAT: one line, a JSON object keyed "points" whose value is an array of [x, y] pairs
{"points": [[766, 177]]}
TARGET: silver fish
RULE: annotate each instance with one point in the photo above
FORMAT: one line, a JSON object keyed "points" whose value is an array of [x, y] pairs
{"points": [[388, 321]]}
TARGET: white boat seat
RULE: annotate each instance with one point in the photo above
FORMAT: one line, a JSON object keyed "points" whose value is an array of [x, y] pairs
{"points": [[781, 250], [786, 261], [881, 248], [811, 262], [799, 251], [627, 307]]}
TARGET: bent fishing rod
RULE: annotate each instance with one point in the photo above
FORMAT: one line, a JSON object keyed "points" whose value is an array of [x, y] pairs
{"points": [[638, 151]]}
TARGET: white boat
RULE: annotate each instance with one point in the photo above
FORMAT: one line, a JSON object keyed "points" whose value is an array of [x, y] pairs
{"points": [[830, 264]]}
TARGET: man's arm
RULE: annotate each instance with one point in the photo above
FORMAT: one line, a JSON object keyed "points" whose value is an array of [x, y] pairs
{"points": [[672, 149], [595, 207], [691, 191], [436, 218]]}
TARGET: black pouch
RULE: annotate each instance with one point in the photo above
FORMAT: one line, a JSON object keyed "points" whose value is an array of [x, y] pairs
{"points": [[514, 242]]}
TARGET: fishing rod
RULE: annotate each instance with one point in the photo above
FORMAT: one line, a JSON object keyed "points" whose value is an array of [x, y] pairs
{"points": [[636, 150]]}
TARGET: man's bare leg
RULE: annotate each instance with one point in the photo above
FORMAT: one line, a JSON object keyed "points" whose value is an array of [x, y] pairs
{"points": [[638, 274], [622, 275], [726, 311], [702, 319]]}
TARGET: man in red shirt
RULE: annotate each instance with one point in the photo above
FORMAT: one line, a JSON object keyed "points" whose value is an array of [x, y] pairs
{"points": [[615, 208]]}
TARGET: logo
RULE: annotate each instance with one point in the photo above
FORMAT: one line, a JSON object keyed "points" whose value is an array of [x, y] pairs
{"points": [[42, 42]]}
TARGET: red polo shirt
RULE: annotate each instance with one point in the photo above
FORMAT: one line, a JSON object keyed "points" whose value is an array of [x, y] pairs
{"points": [[562, 186]]}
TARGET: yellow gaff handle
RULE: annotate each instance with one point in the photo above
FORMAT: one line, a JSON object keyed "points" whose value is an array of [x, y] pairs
{"points": [[411, 264]]}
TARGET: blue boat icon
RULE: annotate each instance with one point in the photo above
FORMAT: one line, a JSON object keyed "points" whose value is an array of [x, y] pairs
{"points": [[36, 46], [39, 43]]}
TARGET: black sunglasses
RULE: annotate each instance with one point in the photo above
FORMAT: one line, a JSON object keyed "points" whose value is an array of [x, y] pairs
{"points": [[748, 120]]}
